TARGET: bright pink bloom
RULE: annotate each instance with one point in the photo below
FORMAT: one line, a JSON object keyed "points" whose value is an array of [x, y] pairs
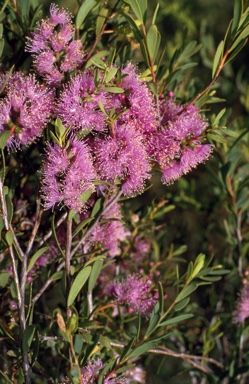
{"points": [[67, 174], [242, 307], [25, 110], [134, 291], [123, 157], [53, 50]]}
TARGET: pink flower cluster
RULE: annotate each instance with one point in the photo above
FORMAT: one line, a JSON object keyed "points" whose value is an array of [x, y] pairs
{"points": [[53, 49], [25, 109], [242, 308], [134, 291]]}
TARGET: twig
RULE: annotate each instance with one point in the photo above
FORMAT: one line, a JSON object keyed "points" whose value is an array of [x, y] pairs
{"points": [[39, 213], [67, 260], [101, 32]]}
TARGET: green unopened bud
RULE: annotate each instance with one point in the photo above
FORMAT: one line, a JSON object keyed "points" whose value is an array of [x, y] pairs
{"points": [[72, 324]]}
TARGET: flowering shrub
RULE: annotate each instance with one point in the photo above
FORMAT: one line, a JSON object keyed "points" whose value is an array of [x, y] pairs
{"points": [[94, 290]]}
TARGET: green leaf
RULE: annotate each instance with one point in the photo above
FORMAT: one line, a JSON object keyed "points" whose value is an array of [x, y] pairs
{"points": [[1, 225], [176, 319], [218, 117], [143, 6], [35, 347], [237, 12], [186, 291], [111, 74], [153, 39], [92, 260], [236, 51], [83, 12], [127, 349], [96, 269], [182, 304], [4, 277], [78, 284], [135, 6], [28, 337], [155, 14], [217, 57], [132, 23], [142, 349], [9, 236], [114, 90], [144, 52], [95, 60], [198, 264], [100, 20], [35, 257], [97, 57], [241, 38], [78, 344], [97, 207], [56, 276], [10, 209], [217, 138], [85, 196], [4, 138], [154, 320], [24, 8]]}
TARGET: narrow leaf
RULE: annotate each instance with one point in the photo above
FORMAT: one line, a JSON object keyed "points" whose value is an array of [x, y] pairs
{"points": [[182, 304], [154, 320], [153, 41], [97, 207], [186, 292], [97, 56], [4, 138], [9, 237], [155, 14], [176, 319], [100, 20], [237, 12], [142, 349], [241, 38], [136, 9], [96, 269], [78, 284], [28, 337], [35, 257], [114, 90], [83, 11], [217, 57]]}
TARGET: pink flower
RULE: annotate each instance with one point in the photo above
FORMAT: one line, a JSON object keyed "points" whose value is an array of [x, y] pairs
{"points": [[109, 234], [242, 307], [123, 157], [134, 291], [25, 110], [78, 104], [53, 50], [178, 146], [67, 174]]}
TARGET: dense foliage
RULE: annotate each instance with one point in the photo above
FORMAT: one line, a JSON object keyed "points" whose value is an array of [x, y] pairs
{"points": [[123, 193]]}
